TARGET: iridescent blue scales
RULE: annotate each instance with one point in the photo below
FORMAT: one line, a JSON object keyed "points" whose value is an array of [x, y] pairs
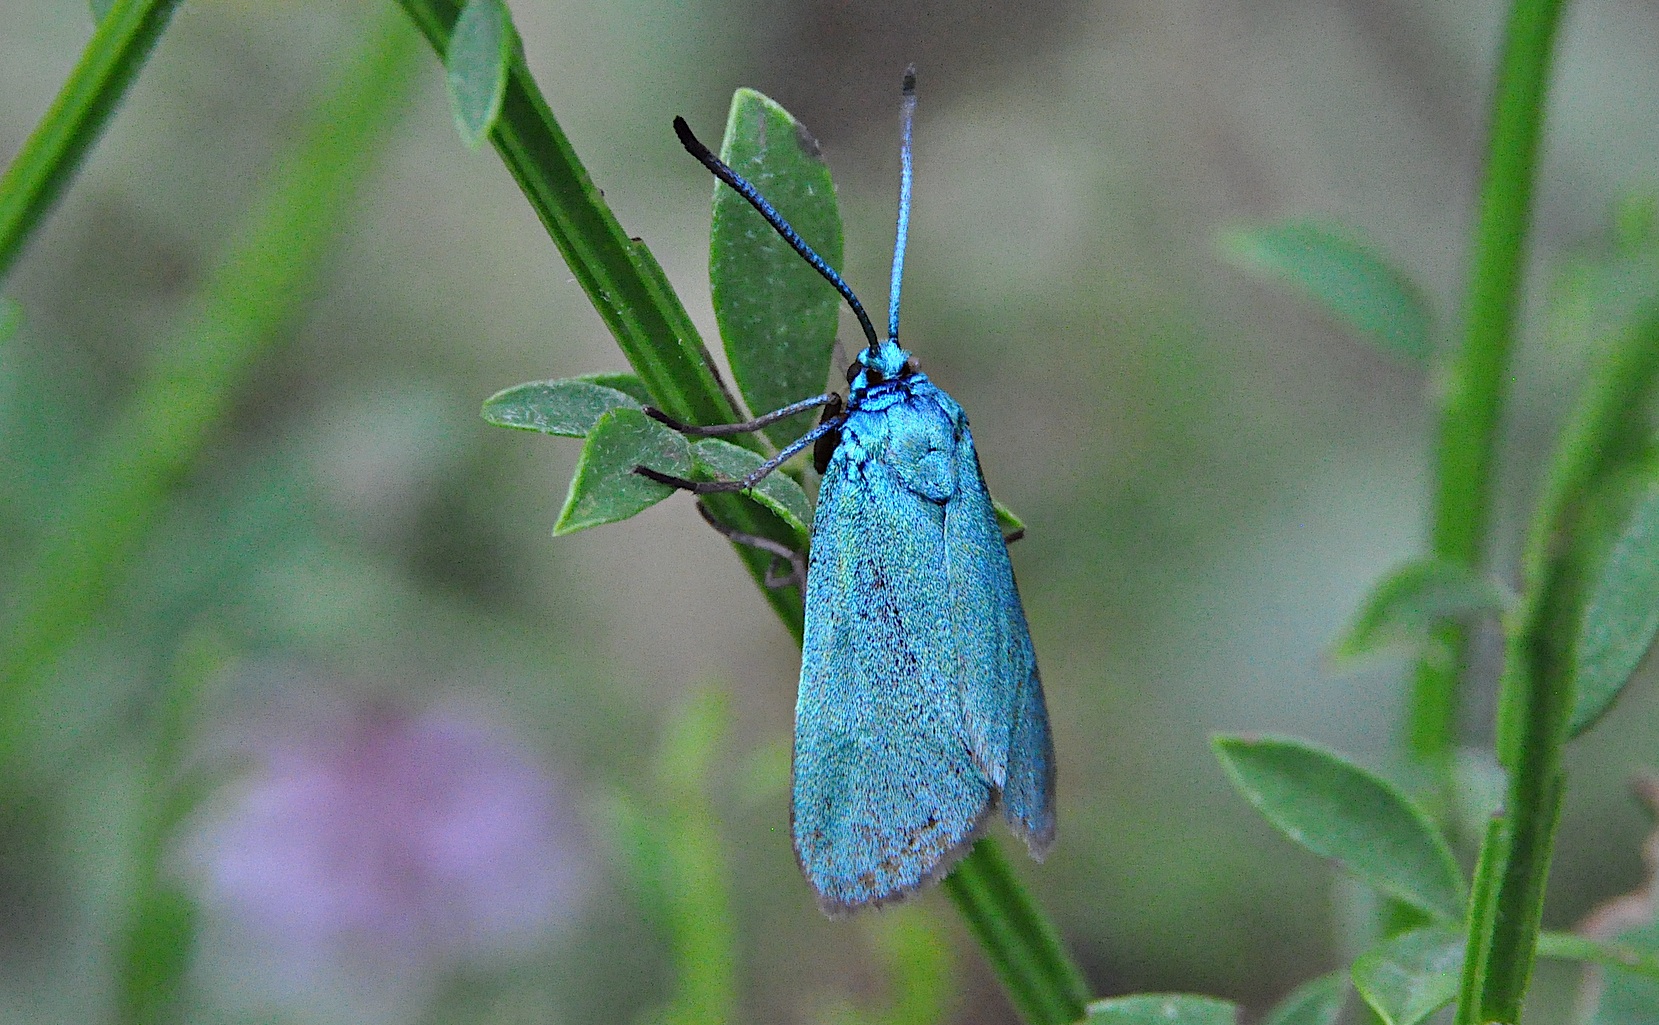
{"points": [[920, 707], [920, 702]]}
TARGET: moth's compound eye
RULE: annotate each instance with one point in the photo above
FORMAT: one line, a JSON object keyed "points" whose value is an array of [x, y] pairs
{"points": [[853, 369], [875, 376], [910, 367]]}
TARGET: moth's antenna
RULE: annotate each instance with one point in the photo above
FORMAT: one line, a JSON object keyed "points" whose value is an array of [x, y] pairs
{"points": [[907, 115], [741, 186]]}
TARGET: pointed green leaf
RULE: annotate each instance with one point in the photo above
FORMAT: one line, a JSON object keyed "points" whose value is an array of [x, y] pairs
{"points": [[1162, 1009], [606, 488], [569, 408], [1334, 268], [480, 52], [1406, 605], [777, 316], [1338, 810], [1316, 1002], [1622, 615], [1409, 977], [777, 491]]}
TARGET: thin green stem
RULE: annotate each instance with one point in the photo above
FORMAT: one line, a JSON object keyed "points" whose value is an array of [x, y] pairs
{"points": [[160, 936], [53, 152], [637, 303], [1477, 379], [184, 394], [1025, 951], [1535, 702], [1515, 858]]}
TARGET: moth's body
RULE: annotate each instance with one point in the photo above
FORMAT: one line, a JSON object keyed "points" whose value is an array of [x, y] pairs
{"points": [[919, 701]]}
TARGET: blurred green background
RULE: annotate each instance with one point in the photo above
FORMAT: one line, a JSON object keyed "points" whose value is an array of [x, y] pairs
{"points": [[1212, 473]]}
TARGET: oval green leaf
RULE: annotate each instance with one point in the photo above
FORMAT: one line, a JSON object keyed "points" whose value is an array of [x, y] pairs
{"points": [[1338, 810], [480, 53], [1334, 268], [569, 408], [777, 316], [777, 491], [1409, 977], [606, 488], [1162, 1009], [1621, 616], [1316, 1002], [627, 384], [1407, 604]]}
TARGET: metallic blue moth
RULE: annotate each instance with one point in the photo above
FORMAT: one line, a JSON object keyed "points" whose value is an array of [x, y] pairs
{"points": [[920, 706]]}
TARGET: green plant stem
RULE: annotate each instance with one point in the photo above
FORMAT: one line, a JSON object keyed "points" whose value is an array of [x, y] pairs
{"points": [[54, 150], [185, 393], [1022, 945], [1536, 698], [1476, 381], [1516, 855], [637, 303], [158, 943], [621, 278]]}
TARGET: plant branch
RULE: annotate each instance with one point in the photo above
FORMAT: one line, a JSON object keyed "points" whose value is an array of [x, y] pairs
{"points": [[1024, 949], [1476, 381], [54, 150]]}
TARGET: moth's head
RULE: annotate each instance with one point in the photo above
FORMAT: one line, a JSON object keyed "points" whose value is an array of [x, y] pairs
{"points": [[877, 364]]}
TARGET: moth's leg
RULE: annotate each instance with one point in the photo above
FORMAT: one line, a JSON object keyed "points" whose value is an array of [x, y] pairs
{"points": [[755, 476], [759, 422], [779, 552], [1008, 539]]}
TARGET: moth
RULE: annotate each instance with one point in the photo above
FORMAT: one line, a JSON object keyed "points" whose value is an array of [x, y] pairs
{"points": [[920, 706]]}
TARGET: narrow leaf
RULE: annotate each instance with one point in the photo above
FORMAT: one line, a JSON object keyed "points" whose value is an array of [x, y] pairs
{"points": [[1344, 275], [721, 460], [606, 488], [1317, 1002], [480, 52], [99, 9], [1162, 1009], [1406, 605], [1409, 977], [1636, 951], [569, 408], [1623, 997], [1338, 810], [777, 316], [1621, 617]]}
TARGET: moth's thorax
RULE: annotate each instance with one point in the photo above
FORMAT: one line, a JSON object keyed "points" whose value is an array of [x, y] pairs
{"points": [[879, 364]]}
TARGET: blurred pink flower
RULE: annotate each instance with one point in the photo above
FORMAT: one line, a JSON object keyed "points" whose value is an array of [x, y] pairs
{"points": [[391, 844]]}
